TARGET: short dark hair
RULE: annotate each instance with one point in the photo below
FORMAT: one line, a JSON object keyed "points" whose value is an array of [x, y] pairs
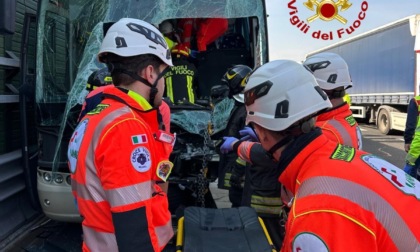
{"points": [[132, 64]]}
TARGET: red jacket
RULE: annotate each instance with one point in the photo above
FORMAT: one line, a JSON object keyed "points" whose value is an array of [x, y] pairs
{"points": [[339, 125], [347, 200], [115, 161]]}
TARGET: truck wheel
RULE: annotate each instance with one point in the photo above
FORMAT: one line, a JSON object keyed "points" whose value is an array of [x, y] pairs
{"points": [[384, 121]]}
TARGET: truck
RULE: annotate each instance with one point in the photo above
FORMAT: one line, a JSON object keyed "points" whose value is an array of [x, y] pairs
{"points": [[385, 70], [47, 52]]}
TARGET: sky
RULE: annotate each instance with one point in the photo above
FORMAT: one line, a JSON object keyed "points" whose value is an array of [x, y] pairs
{"points": [[287, 41]]}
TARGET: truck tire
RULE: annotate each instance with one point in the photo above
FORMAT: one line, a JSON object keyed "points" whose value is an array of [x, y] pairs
{"points": [[384, 122]]}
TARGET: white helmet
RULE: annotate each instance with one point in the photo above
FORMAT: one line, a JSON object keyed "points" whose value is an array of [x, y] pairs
{"points": [[166, 27], [131, 37], [330, 70], [280, 93]]}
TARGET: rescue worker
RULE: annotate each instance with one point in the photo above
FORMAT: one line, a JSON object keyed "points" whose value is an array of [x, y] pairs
{"points": [[411, 123], [332, 75], [412, 138], [181, 80], [169, 33], [341, 198], [250, 182], [96, 83], [232, 168], [117, 153], [206, 31], [101, 79]]}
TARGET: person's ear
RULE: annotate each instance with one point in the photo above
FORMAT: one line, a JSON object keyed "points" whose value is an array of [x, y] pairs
{"points": [[149, 73]]}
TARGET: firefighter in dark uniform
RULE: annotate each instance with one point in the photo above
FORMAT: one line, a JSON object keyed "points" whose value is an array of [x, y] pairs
{"points": [[262, 192], [232, 168], [182, 80]]}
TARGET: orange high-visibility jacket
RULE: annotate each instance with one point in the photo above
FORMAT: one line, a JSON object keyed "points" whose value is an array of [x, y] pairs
{"points": [[347, 200], [115, 160], [340, 126]]}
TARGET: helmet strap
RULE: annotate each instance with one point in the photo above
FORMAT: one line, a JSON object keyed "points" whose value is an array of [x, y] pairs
{"points": [[153, 87], [279, 144], [336, 94]]}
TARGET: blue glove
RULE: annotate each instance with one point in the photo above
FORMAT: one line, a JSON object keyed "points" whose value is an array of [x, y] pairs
{"points": [[193, 53], [227, 146], [248, 134], [409, 169]]}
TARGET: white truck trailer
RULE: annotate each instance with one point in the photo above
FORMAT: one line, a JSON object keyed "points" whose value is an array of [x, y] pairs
{"points": [[384, 68]]}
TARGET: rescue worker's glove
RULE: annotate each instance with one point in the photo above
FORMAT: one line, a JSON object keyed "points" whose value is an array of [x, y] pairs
{"points": [[409, 169], [194, 53], [227, 145], [248, 134]]}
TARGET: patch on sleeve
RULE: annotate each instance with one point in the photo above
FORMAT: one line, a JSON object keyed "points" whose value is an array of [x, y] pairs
{"points": [[309, 242], [140, 159], [164, 169], [165, 137], [345, 153], [401, 180], [98, 109], [139, 139], [74, 144], [350, 119]]}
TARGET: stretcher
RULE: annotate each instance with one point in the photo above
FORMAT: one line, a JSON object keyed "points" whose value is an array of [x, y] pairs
{"points": [[225, 229]]}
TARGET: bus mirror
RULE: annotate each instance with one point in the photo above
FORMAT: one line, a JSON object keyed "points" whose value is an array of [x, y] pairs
{"points": [[7, 16]]}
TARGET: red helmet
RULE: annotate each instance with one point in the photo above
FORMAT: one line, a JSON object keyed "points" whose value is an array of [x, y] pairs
{"points": [[181, 49]]}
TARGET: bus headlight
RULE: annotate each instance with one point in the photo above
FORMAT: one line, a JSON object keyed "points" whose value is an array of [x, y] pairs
{"points": [[47, 176], [68, 179], [58, 178]]}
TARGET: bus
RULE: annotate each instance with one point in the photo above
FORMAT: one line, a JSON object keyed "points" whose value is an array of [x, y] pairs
{"points": [[69, 34]]}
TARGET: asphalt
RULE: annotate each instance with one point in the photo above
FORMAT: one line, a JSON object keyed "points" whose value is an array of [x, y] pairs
{"points": [[220, 196]]}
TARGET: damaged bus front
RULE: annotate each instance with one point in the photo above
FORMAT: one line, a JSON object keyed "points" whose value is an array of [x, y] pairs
{"points": [[69, 36]]}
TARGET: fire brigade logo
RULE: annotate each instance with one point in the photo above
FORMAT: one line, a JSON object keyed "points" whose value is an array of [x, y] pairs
{"points": [[140, 159], [326, 10]]}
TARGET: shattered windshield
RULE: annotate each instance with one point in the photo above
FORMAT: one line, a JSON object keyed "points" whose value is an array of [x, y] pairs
{"points": [[197, 121], [69, 37]]}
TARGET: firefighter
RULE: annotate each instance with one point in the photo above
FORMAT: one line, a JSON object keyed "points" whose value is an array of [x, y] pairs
{"points": [[117, 152], [181, 80], [332, 75], [95, 85], [232, 168], [341, 198], [169, 33]]}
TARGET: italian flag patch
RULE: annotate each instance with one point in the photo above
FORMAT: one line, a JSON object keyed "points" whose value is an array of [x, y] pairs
{"points": [[139, 139]]}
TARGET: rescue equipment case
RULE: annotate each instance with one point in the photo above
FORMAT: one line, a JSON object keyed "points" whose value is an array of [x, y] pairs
{"points": [[224, 229]]}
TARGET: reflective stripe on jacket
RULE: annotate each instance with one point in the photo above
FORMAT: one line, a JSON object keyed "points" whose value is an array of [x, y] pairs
{"points": [[347, 200], [115, 163], [339, 125], [181, 81]]}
